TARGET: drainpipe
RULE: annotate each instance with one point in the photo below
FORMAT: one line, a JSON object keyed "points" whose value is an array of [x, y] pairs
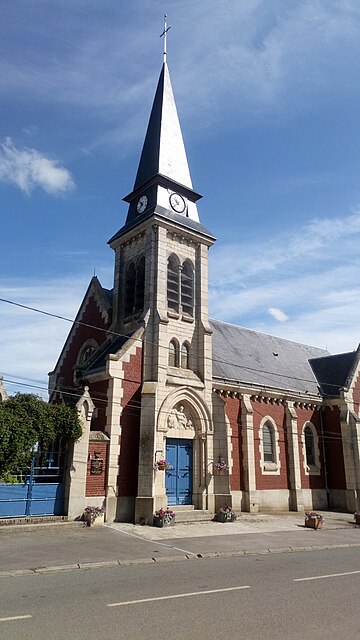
{"points": [[324, 459]]}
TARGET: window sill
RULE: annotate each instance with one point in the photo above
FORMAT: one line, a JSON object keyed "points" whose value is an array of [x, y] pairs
{"points": [[173, 314], [186, 318], [312, 470], [270, 466]]}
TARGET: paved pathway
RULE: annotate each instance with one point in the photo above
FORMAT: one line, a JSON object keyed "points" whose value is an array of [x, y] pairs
{"points": [[65, 547]]}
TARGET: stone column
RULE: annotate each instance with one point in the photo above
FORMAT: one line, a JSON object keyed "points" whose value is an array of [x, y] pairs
{"points": [[249, 493], [350, 433], [75, 481], [296, 500]]}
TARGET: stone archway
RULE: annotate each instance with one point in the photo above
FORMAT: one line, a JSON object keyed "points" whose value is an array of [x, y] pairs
{"points": [[184, 417]]}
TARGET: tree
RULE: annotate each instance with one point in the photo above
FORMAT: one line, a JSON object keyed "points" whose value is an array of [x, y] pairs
{"points": [[25, 420]]}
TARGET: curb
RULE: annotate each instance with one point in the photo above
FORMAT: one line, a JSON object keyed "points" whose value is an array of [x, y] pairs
{"points": [[168, 559]]}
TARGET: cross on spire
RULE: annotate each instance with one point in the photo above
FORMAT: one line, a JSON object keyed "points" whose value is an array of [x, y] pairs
{"points": [[166, 29]]}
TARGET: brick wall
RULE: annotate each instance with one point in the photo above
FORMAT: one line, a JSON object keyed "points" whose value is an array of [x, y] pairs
{"points": [[95, 484], [91, 316], [310, 481], [333, 448], [233, 413], [356, 394], [130, 425], [277, 413]]}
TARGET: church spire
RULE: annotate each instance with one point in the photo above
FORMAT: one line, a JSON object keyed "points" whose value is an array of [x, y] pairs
{"points": [[164, 151], [163, 182]]}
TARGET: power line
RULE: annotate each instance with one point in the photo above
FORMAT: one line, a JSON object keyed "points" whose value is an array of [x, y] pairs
{"points": [[122, 335], [134, 411]]}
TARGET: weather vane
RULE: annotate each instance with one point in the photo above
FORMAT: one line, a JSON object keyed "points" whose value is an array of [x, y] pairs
{"points": [[166, 29]]}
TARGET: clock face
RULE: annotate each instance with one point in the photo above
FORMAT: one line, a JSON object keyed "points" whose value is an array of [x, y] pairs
{"points": [[177, 203], [141, 204]]}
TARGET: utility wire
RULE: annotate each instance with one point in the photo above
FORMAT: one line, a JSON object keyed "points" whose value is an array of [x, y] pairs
{"points": [[134, 411], [122, 335]]}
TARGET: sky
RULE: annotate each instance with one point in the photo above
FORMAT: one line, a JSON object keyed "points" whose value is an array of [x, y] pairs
{"points": [[267, 93]]}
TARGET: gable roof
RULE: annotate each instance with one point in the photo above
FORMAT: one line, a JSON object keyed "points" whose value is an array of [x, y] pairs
{"points": [[255, 358], [335, 372]]}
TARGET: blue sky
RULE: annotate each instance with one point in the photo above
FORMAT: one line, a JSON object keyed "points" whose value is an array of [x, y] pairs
{"points": [[268, 99]]}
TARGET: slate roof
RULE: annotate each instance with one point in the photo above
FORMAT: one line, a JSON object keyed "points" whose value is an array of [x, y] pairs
{"points": [[163, 151], [161, 213], [259, 359], [335, 372], [98, 361]]}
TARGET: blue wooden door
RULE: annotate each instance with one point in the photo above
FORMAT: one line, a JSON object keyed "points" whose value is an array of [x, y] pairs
{"points": [[178, 481]]}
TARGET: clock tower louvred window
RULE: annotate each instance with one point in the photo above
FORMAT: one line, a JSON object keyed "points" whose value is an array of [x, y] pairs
{"points": [[187, 288], [173, 283]]}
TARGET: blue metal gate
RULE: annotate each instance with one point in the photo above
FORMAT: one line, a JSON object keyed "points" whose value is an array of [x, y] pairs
{"points": [[40, 492], [178, 481]]}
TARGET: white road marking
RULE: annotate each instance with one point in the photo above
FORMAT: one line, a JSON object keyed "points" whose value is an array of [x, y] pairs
{"points": [[155, 542], [330, 575], [14, 618], [178, 595]]}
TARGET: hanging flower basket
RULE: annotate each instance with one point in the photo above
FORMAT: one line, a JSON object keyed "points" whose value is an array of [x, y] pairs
{"points": [[162, 465], [313, 520], [220, 467]]}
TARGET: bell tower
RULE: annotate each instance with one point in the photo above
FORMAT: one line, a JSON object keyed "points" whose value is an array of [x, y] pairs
{"points": [[161, 284]]}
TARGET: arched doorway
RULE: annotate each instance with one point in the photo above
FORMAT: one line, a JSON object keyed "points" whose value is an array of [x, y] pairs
{"points": [[179, 474]]}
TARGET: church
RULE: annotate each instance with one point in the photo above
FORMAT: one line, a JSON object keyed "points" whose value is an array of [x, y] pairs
{"points": [[186, 411]]}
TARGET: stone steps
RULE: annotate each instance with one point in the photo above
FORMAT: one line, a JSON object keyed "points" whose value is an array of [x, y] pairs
{"points": [[191, 515]]}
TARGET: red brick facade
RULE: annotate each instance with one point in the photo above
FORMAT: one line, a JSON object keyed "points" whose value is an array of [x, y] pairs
{"points": [[96, 484], [130, 425]]}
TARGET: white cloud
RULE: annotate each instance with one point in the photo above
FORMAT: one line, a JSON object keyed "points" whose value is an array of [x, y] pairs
{"points": [[259, 54], [28, 169], [250, 282], [278, 314], [30, 342]]}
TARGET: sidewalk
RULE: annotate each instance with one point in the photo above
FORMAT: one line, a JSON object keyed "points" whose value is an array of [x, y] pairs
{"points": [[70, 546]]}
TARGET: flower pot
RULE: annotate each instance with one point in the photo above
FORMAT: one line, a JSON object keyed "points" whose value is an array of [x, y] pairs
{"points": [[220, 472], [158, 522], [92, 521], [162, 467], [221, 517], [169, 522], [313, 523]]}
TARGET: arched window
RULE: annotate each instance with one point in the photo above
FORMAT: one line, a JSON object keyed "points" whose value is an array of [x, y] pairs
{"points": [[268, 443], [269, 447], [130, 281], [173, 283], [87, 349], [187, 288], [140, 285], [311, 453], [134, 288], [309, 446], [184, 356], [173, 354]]}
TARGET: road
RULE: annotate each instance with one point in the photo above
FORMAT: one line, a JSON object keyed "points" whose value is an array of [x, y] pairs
{"points": [[303, 595]]}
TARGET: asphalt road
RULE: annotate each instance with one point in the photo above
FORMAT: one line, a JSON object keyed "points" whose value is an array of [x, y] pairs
{"points": [[307, 595]]}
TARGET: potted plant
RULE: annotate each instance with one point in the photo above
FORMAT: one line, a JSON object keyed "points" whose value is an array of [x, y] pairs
{"points": [[357, 517], [225, 514], [93, 515], [313, 520], [164, 518], [220, 466]]}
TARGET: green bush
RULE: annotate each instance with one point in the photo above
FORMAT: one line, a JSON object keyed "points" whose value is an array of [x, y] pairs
{"points": [[26, 419]]}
